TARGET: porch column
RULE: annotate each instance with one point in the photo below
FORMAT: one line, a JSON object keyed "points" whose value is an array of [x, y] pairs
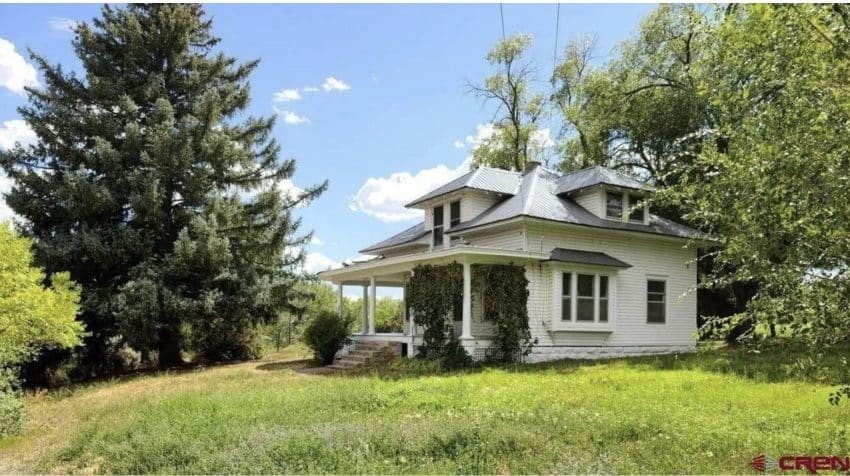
{"points": [[364, 322], [340, 309], [466, 330], [371, 313]]}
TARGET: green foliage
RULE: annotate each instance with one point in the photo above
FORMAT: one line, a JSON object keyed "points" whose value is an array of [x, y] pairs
{"points": [[389, 314], [33, 317], [709, 413], [431, 292], [514, 141], [153, 190], [504, 291], [11, 407], [452, 356], [326, 334]]}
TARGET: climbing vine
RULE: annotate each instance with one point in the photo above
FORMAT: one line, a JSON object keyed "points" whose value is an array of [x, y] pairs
{"points": [[431, 292], [504, 292]]}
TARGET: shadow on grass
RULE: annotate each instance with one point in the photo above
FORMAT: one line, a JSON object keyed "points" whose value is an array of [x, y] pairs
{"points": [[781, 361], [288, 365]]}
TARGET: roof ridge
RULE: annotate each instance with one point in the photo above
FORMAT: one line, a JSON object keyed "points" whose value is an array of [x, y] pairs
{"points": [[529, 197]]}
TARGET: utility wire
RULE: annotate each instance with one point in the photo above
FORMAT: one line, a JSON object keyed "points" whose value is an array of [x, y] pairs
{"points": [[502, 15], [557, 26]]}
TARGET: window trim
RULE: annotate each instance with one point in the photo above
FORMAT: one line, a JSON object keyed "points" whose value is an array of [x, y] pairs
{"points": [[438, 229], [573, 324], [642, 208], [662, 279], [619, 195]]}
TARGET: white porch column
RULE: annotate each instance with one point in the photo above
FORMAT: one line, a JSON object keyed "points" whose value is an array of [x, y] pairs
{"points": [[371, 313], [364, 322], [466, 332], [340, 309]]}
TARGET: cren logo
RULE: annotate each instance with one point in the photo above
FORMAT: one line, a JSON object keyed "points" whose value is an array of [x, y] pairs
{"points": [[762, 463]]}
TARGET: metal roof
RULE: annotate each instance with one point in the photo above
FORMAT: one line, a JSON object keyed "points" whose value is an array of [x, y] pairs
{"points": [[499, 181], [586, 257], [409, 235], [537, 198], [592, 176]]}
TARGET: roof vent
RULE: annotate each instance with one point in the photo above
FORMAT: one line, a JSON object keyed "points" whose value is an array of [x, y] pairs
{"points": [[530, 165]]}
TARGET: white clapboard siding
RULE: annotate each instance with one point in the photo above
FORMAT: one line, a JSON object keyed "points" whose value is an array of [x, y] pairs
{"points": [[592, 200], [648, 256]]}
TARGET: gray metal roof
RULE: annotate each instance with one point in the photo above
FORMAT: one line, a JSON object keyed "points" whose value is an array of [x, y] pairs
{"points": [[586, 257], [592, 176], [499, 181], [409, 235], [537, 198]]}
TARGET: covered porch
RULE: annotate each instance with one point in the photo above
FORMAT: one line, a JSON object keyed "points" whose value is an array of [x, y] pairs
{"points": [[394, 272]]}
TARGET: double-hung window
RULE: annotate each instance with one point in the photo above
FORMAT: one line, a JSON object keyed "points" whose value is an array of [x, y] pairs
{"points": [[566, 297], [656, 293], [454, 214], [437, 230], [636, 208], [614, 205], [603, 298], [584, 298]]}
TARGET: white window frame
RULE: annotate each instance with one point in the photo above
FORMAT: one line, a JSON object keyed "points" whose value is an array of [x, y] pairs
{"points": [[558, 324], [666, 282]]}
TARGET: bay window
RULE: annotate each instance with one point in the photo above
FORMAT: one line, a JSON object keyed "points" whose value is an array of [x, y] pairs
{"points": [[585, 297]]}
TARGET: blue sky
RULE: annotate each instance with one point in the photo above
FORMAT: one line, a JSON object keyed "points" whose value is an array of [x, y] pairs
{"points": [[382, 110]]}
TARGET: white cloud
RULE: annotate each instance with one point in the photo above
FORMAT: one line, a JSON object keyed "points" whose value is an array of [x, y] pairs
{"points": [[384, 197], [15, 72], [15, 130], [542, 138], [287, 95], [310, 89], [482, 133], [333, 84], [317, 262], [288, 188], [316, 241], [294, 119], [6, 213], [63, 24], [458, 144]]}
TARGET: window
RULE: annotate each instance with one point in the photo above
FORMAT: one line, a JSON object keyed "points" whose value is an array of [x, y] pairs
{"points": [[636, 207], [603, 299], [655, 301], [566, 299], [437, 231], [584, 298], [614, 205], [454, 214]]}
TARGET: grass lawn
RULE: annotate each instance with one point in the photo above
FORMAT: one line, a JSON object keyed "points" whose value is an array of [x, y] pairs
{"points": [[704, 413]]}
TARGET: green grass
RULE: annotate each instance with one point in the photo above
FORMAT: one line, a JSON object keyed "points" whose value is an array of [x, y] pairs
{"points": [[705, 413]]}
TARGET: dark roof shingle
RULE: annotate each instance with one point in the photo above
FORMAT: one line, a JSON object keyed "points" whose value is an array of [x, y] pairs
{"points": [[586, 257]]}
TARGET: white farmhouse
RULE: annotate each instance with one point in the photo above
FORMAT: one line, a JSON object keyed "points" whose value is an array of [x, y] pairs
{"points": [[606, 277]]}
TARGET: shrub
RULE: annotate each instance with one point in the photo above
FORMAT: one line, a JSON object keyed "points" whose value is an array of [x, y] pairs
{"points": [[453, 356], [11, 407], [326, 334]]}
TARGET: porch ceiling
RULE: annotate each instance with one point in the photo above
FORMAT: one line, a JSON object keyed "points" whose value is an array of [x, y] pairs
{"points": [[392, 271]]}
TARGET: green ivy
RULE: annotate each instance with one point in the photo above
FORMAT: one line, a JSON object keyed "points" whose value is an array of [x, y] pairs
{"points": [[504, 291], [431, 292]]}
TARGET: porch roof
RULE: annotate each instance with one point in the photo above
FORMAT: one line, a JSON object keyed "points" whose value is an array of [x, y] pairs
{"points": [[393, 269]]}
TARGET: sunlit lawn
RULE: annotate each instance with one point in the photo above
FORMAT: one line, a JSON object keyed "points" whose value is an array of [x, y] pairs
{"points": [[704, 413]]}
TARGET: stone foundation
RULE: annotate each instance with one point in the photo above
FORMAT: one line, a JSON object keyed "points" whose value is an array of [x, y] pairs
{"points": [[543, 354]]}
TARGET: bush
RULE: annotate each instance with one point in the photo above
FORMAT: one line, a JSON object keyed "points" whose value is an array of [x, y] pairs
{"points": [[453, 356], [326, 334], [11, 407], [218, 340]]}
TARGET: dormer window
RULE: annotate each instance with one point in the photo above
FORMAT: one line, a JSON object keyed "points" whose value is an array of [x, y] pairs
{"points": [[636, 208], [437, 231], [614, 205], [454, 218]]}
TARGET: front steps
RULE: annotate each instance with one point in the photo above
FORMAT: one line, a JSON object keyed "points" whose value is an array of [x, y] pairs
{"points": [[362, 353]]}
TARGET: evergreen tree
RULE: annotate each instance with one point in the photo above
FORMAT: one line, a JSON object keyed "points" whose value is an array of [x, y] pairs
{"points": [[147, 187]]}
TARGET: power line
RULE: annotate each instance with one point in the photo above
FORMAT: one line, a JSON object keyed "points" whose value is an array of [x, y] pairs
{"points": [[557, 26], [502, 15]]}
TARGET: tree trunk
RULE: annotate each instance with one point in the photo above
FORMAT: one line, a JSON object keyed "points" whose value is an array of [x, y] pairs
{"points": [[169, 347], [741, 328]]}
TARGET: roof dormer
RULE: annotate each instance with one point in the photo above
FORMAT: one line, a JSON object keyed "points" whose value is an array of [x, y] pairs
{"points": [[607, 194]]}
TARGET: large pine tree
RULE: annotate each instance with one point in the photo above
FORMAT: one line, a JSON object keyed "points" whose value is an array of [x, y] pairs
{"points": [[149, 186]]}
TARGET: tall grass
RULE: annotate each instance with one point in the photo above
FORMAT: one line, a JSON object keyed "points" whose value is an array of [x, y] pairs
{"points": [[704, 413]]}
